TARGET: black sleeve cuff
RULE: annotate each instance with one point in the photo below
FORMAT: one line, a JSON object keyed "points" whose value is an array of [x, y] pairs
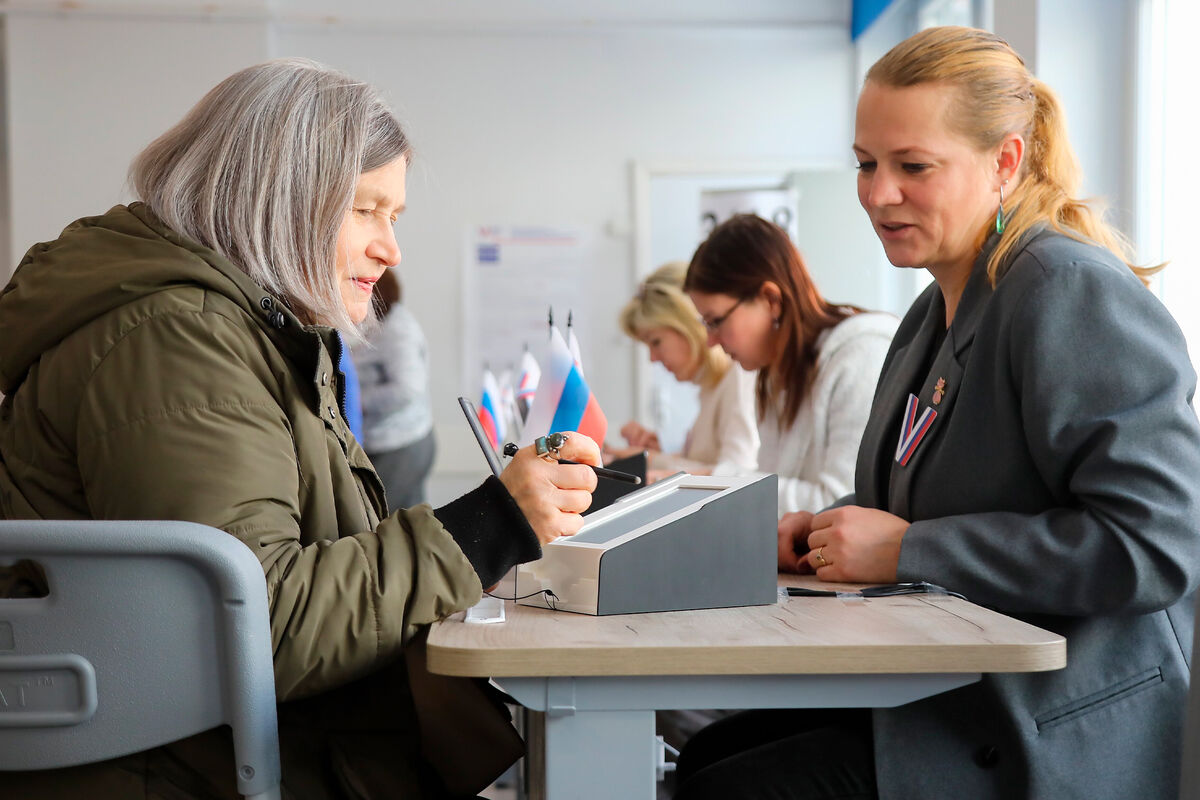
{"points": [[491, 530]]}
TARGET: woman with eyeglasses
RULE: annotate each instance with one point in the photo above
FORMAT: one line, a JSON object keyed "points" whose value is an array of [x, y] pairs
{"points": [[724, 438], [817, 361]]}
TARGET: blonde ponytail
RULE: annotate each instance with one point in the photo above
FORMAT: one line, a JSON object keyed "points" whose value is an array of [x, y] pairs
{"points": [[998, 96], [1049, 188]]}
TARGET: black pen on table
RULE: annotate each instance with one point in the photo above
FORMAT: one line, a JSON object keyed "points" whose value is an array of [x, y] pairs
{"points": [[510, 450]]}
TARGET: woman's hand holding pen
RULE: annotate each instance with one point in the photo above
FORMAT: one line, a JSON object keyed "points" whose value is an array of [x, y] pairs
{"points": [[553, 496]]}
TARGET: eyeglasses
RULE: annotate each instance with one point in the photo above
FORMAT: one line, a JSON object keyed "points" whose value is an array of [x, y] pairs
{"points": [[714, 324]]}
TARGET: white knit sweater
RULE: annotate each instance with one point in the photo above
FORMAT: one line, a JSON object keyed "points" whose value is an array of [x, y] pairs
{"points": [[724, 438], [815, 457]]}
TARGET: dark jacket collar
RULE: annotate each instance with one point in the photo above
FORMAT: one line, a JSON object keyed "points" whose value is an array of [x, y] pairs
{"points": [[979, 287], [909, 369]]}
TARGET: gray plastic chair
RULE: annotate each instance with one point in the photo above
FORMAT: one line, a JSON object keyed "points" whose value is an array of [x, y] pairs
{"points": [[151, 632]]}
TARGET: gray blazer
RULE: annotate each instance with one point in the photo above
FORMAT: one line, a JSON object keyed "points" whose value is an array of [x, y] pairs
{"points": [[1058, 483]]}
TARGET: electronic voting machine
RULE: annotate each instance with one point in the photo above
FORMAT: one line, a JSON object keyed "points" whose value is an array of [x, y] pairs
{"points": [[686, 542]]}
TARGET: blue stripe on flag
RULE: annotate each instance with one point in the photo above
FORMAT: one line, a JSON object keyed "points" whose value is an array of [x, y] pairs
{"points": [[571, 404], [490, 405]]}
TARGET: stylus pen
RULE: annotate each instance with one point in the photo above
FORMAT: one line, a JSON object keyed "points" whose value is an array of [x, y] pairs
{"points": [[510, 450], [604, 472], [472, 415]]}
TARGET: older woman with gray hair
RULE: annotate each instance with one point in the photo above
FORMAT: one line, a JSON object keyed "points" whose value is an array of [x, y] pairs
{"points": [[175, 359]]}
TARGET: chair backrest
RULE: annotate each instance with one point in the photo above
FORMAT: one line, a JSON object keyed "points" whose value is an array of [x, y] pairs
{"points": [[150, 632]]}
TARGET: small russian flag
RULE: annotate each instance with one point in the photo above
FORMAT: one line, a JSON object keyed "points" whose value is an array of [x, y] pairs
{"points": [[563, 401], [531, 373], [508, 404], [490, 415], [573, 346]]}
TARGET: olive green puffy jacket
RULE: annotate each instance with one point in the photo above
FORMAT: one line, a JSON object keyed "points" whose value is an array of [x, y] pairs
{"points": [[149, 378]]}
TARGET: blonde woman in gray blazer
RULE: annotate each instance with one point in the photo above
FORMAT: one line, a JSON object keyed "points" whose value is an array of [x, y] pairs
{"points": [[1031, 445]]}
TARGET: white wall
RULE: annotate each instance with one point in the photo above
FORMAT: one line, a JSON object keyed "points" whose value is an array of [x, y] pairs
{"points": [[85, 94], [1085, 52], [523, 112], [897, 22]]}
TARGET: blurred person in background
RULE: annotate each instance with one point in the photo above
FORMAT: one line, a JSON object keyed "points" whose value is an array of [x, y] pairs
{"points": [[723, 439], [393, 375]]}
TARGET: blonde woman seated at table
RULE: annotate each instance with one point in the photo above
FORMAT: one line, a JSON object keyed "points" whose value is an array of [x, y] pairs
{"points": [[724, 437], [817, 361]]}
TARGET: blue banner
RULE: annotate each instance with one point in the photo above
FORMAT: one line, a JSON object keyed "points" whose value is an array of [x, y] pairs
{"points": [[863, 13]]}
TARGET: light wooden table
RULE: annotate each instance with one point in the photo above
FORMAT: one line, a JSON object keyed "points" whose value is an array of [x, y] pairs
{"points": [[600, 679]]}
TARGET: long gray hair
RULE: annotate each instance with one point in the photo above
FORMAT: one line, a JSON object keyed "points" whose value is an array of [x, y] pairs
{"points": [[263, 170]]}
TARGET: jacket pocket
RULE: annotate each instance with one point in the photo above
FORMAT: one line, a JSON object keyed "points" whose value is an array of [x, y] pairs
{"points": [[1097, 700]]}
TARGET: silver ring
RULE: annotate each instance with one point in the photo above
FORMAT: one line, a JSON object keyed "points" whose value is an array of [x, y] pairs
{"points": [[548, 446]]}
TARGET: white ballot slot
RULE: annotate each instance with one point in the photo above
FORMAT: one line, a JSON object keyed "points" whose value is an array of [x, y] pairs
{"points": [[686, 542]]}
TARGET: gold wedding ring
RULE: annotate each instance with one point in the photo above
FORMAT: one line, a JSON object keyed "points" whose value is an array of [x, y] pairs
{"points": [[820, 557]]}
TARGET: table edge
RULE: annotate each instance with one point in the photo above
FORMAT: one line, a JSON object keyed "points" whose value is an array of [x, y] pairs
{"points": [[1043, 656]]}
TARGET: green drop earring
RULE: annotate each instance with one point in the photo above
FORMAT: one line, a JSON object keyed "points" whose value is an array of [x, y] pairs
{"points": [[1000, 211]]}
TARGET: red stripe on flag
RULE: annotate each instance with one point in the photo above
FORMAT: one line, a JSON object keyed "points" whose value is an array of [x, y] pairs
{"points": [[593, 423], [489, 427]]}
